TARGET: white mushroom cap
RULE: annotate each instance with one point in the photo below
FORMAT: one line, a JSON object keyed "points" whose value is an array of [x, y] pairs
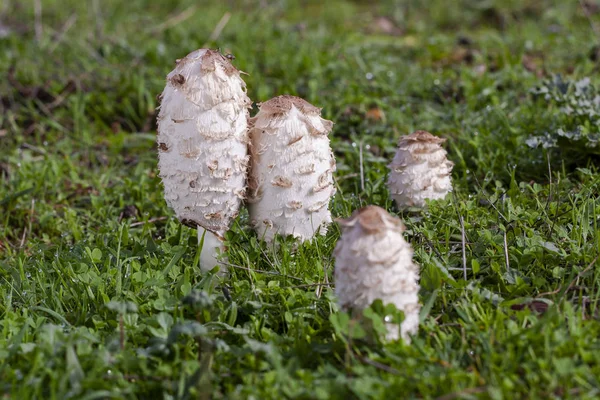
{"points": [[202, 140], [373, 261], [420, 170], [291, 178]]}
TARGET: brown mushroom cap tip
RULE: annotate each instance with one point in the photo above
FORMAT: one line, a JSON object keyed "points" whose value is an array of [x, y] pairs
{"points": [[372, 219], [423, 137], [283, 104], [209, 59]]}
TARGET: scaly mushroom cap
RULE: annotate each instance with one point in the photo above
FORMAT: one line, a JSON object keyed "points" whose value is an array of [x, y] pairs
{"points": [[203, 139], [373, 261], [420, 170], [291, 178]]}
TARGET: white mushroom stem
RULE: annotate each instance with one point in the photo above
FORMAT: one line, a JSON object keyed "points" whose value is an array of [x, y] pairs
{"points": [[373, 261], [291, 178], [419, 171], [203, 141], [212, 247]]}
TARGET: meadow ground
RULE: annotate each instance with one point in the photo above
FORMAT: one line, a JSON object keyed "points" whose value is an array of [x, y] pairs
{"points": [[100, 292]]}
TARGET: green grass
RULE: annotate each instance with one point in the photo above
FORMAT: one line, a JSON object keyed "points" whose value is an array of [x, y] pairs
{"points": [[100, 293]]}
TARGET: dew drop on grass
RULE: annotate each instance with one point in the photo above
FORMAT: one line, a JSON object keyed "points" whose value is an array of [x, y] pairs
{"points": [[369, 75], [353, 144], [388, 318], [368, 147]]}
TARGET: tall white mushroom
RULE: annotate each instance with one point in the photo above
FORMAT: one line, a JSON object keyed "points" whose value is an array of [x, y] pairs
{"points": [[373, 261], [291, 177], [420, 170], [202, 143]]}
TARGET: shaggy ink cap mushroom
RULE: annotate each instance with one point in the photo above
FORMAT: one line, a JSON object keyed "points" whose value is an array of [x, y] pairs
{"points": [[419, 170], [292, 164], [203, 144], [373, 261]]}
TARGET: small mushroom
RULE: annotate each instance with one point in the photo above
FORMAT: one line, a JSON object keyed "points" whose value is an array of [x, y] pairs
{"points": [[291, 177], [419, 171], [373, 261], [203, 144]]}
